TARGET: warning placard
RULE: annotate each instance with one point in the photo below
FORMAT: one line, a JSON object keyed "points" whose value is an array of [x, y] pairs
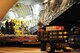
{"points": [[52, 28]]}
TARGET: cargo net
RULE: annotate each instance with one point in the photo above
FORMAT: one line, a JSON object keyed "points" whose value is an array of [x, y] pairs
{"points": [[53, 9]]}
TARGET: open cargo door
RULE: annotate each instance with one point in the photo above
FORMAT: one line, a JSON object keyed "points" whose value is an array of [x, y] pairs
{"points": [[53, 9], [35, 11]]}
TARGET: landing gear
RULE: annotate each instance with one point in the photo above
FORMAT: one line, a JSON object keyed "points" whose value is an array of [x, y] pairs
{"points": [[50, 48], [47, 46]]}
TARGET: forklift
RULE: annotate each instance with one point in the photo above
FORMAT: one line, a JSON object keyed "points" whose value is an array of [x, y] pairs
{"points": [[54, 38]]}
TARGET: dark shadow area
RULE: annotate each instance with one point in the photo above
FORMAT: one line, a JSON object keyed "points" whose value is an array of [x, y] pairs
{"points": [[69, 18], [19, 44]]}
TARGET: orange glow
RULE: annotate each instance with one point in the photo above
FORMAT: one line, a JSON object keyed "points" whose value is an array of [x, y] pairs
{"points": [[5, 5]]}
